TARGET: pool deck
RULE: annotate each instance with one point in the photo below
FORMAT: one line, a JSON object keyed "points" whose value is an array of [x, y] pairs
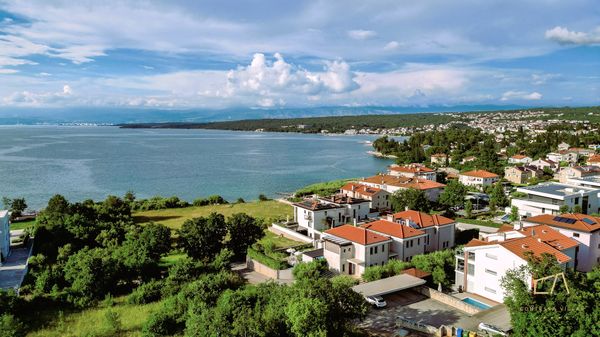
{"points": [[478, 298]]}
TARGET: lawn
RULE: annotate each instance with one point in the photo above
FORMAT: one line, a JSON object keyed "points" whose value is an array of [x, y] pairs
{"points": [[93, 321], [479, 222], [278, 241], [22, 224], [175, 217]]}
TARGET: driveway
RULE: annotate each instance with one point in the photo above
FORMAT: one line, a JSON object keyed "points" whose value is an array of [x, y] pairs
{"points": [[14, 268]]}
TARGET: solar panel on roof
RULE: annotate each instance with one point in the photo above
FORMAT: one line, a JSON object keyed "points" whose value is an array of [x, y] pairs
{"points": [[564, 220], [588, 221]]}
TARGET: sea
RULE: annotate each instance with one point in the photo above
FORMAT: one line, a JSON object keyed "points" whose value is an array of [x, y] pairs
{"points": [[92, 162]]}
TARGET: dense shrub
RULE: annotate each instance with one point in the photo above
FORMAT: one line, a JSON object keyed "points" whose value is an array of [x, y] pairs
{"points": [[268, 261], [146, 293]]}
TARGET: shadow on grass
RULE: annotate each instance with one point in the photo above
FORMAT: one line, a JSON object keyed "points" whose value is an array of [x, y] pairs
{"points": [[156, 218]]}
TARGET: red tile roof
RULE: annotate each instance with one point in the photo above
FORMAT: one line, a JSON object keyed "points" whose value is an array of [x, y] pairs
{"points": [[439, 155], [519, 156], [412, 168], [594, 159], [357, 234], [422, 219], [403, 182], [480, 174], [521, 246], [477, 243], [393, 229], [361, 189], [590, 225], [550, 236], [416, 272]]}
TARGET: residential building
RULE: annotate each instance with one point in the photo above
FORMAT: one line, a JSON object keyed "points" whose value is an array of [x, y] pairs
{"points": [[585, 229], [439, 229], [468, 159], [593, 160], [521, 174], [478, 178], [520, 159], [407, 241], [577, 172], [349, 250], [586, 152], [439, 159], [413, 171], [393, 183], [594, 147], [380, 199], [545, 164], [4, 235], [563, 156], [314, 215], [547, 198], [482, 264], [563, 146]]}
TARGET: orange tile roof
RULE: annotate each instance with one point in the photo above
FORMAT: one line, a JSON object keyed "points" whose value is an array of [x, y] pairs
{"points": [[550, 236], [594, 159], [578, 225], [393, 229], [412, 168], [403, 182], [530, 244], [439, 155], [477, 243], [519, 156], [422, 219], [505, 228], [480, 174], [416, 272], [361, 189], [357, 234]]}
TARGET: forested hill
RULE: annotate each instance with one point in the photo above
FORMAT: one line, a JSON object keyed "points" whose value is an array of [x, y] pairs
{"points": [[337, 124]]}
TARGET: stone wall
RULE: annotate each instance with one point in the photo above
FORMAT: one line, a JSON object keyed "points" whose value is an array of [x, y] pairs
{"points": [[448, 300], [290, 234], [285, 274]]}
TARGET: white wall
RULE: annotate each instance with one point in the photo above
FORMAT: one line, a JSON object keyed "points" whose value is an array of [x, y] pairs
{"points": [[4, 234]]}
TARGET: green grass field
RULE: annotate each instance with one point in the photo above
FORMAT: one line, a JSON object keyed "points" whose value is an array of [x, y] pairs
{"points": [[22, 224], [93, 321], [175, 217]]}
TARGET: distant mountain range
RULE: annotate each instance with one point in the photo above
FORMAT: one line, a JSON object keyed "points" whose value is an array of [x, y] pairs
{"points": [[112, 115]]}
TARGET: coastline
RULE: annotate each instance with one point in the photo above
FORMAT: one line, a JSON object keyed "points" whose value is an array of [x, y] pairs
{"points": [[381, 155]]}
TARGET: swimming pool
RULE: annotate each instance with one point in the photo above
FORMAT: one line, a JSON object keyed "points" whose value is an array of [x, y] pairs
{"points": [[476, 303]]}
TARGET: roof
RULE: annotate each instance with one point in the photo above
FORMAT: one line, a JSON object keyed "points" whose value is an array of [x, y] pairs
{"points": [[519, 156], [412, 168], [315, 205], [3, 213], [477, 243], [403, 182], [343, 199], [578, 222], [550, 236], [439, 155], [594, 159], [555, 190], [480, 174], [388, 285], [521, 246], [314, 253], [416, 272], [356, 234], [393, 229], [361, 189], [591, 169], [551, 162], [505, 228], [423, 220]]}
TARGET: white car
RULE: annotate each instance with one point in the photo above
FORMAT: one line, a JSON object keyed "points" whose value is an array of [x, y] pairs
{"points": [[377, 301], [492, 330]]}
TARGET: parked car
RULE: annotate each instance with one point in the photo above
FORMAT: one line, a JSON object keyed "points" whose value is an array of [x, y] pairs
{"points": [[376, 301], [491, 330]]}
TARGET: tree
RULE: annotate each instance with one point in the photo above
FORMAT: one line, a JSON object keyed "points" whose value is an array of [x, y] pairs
{"points": [[16, 206], [454, 194], [202, 238], [143, 248], [497, 195], [439, 263], [514, 213], [411, 199], [92, 273], [468, 208], [577, 209], [307, 317], [563, 209], [243, 231]]}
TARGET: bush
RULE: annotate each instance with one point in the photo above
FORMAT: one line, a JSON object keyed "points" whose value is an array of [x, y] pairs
{"points": [[10, 326], [265, 259], [212, 200], [391, 268], [160, 323], [146, 293], [262, 197], [112, 321], [322, 189]]}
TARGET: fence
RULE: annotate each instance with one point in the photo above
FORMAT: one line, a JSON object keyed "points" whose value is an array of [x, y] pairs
{"points": [[289, 233]]}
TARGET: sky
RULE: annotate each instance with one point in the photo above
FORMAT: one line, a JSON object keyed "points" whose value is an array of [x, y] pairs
{"points": [[276, 54]]}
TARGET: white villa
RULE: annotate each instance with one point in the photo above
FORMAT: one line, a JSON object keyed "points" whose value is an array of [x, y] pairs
{"points": [[4, 235], [413, 171], [577, 172], [379, 198], [547, 198], [478, 178], [520, 159], [438, 229], [392, 184], [545, 163]]}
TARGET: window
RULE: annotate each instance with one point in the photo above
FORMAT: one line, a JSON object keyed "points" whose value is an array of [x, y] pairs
{"points": [[418, 241], [490, 256], [576, 201], [491, 272], [575, 235], [375, 249], [382, 248], [371, 251], [471, 269], [490, 290], [343, 267]]}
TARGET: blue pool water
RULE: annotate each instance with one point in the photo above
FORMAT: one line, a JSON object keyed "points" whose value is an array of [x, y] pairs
{"points": [[92, 162], [476, 303]]}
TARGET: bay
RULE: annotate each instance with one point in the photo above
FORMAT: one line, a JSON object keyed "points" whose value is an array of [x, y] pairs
{"points": [[80, 162]]}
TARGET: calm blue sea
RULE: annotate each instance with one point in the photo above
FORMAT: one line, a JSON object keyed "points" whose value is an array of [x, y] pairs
{"points": [[93, 162]]}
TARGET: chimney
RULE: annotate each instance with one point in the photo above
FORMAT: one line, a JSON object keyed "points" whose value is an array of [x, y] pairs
{"points": [[539, 240], [355, 223], [406, 208], [532, 232]]}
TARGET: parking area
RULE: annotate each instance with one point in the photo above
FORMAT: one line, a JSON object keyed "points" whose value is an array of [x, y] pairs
{"points": [[416, 307]]}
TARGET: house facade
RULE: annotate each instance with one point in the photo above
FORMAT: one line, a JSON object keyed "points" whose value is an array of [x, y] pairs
{"points": [[563, 156], [413, 171], [439, 230], [379, 198], [521, 174], [4, 235], [520, 159], [315, 215], [593, 160], [577, 172], [406, 242], [392, 184], [583, 228], [439, 159], [545, 164], [349, 250], [478, 178], [482, 264], [547, 198]]}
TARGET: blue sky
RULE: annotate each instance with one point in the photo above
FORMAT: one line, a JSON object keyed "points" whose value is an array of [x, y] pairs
{"points": [[219, 54]]}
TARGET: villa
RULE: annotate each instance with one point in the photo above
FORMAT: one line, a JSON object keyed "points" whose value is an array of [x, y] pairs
{"points": [[548, 198], [478, 178], [482, 264], [413, 171], [580, 227], [545, 163], [4, 235], [439, 230], [577, 172], [392, 184], [521, 174], [593, 160], [520, 159], [439, 159], [379, 198], [406, 242]]}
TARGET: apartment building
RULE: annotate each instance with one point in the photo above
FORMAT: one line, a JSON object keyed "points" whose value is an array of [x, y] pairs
{"points": [[547, 198], [520, 159], [392, 184], [478, 178], [413, 171], [379, 198], [545, 164], [438, 229], [522, 174], [407, 241], [578, 172]]}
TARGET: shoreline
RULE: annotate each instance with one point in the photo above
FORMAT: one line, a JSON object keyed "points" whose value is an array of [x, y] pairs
{"points": [[381, 155]]}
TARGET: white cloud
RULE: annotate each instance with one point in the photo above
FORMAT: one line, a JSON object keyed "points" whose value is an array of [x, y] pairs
{"points": [[360, 34], [38, 99], [521, 95], [565, 36], [391, 45]]}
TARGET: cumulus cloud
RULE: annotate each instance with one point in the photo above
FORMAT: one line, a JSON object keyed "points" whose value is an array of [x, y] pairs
{"points": [[521, 95], [391, 45], [35, 99], [360, 34], [563, 35]]}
